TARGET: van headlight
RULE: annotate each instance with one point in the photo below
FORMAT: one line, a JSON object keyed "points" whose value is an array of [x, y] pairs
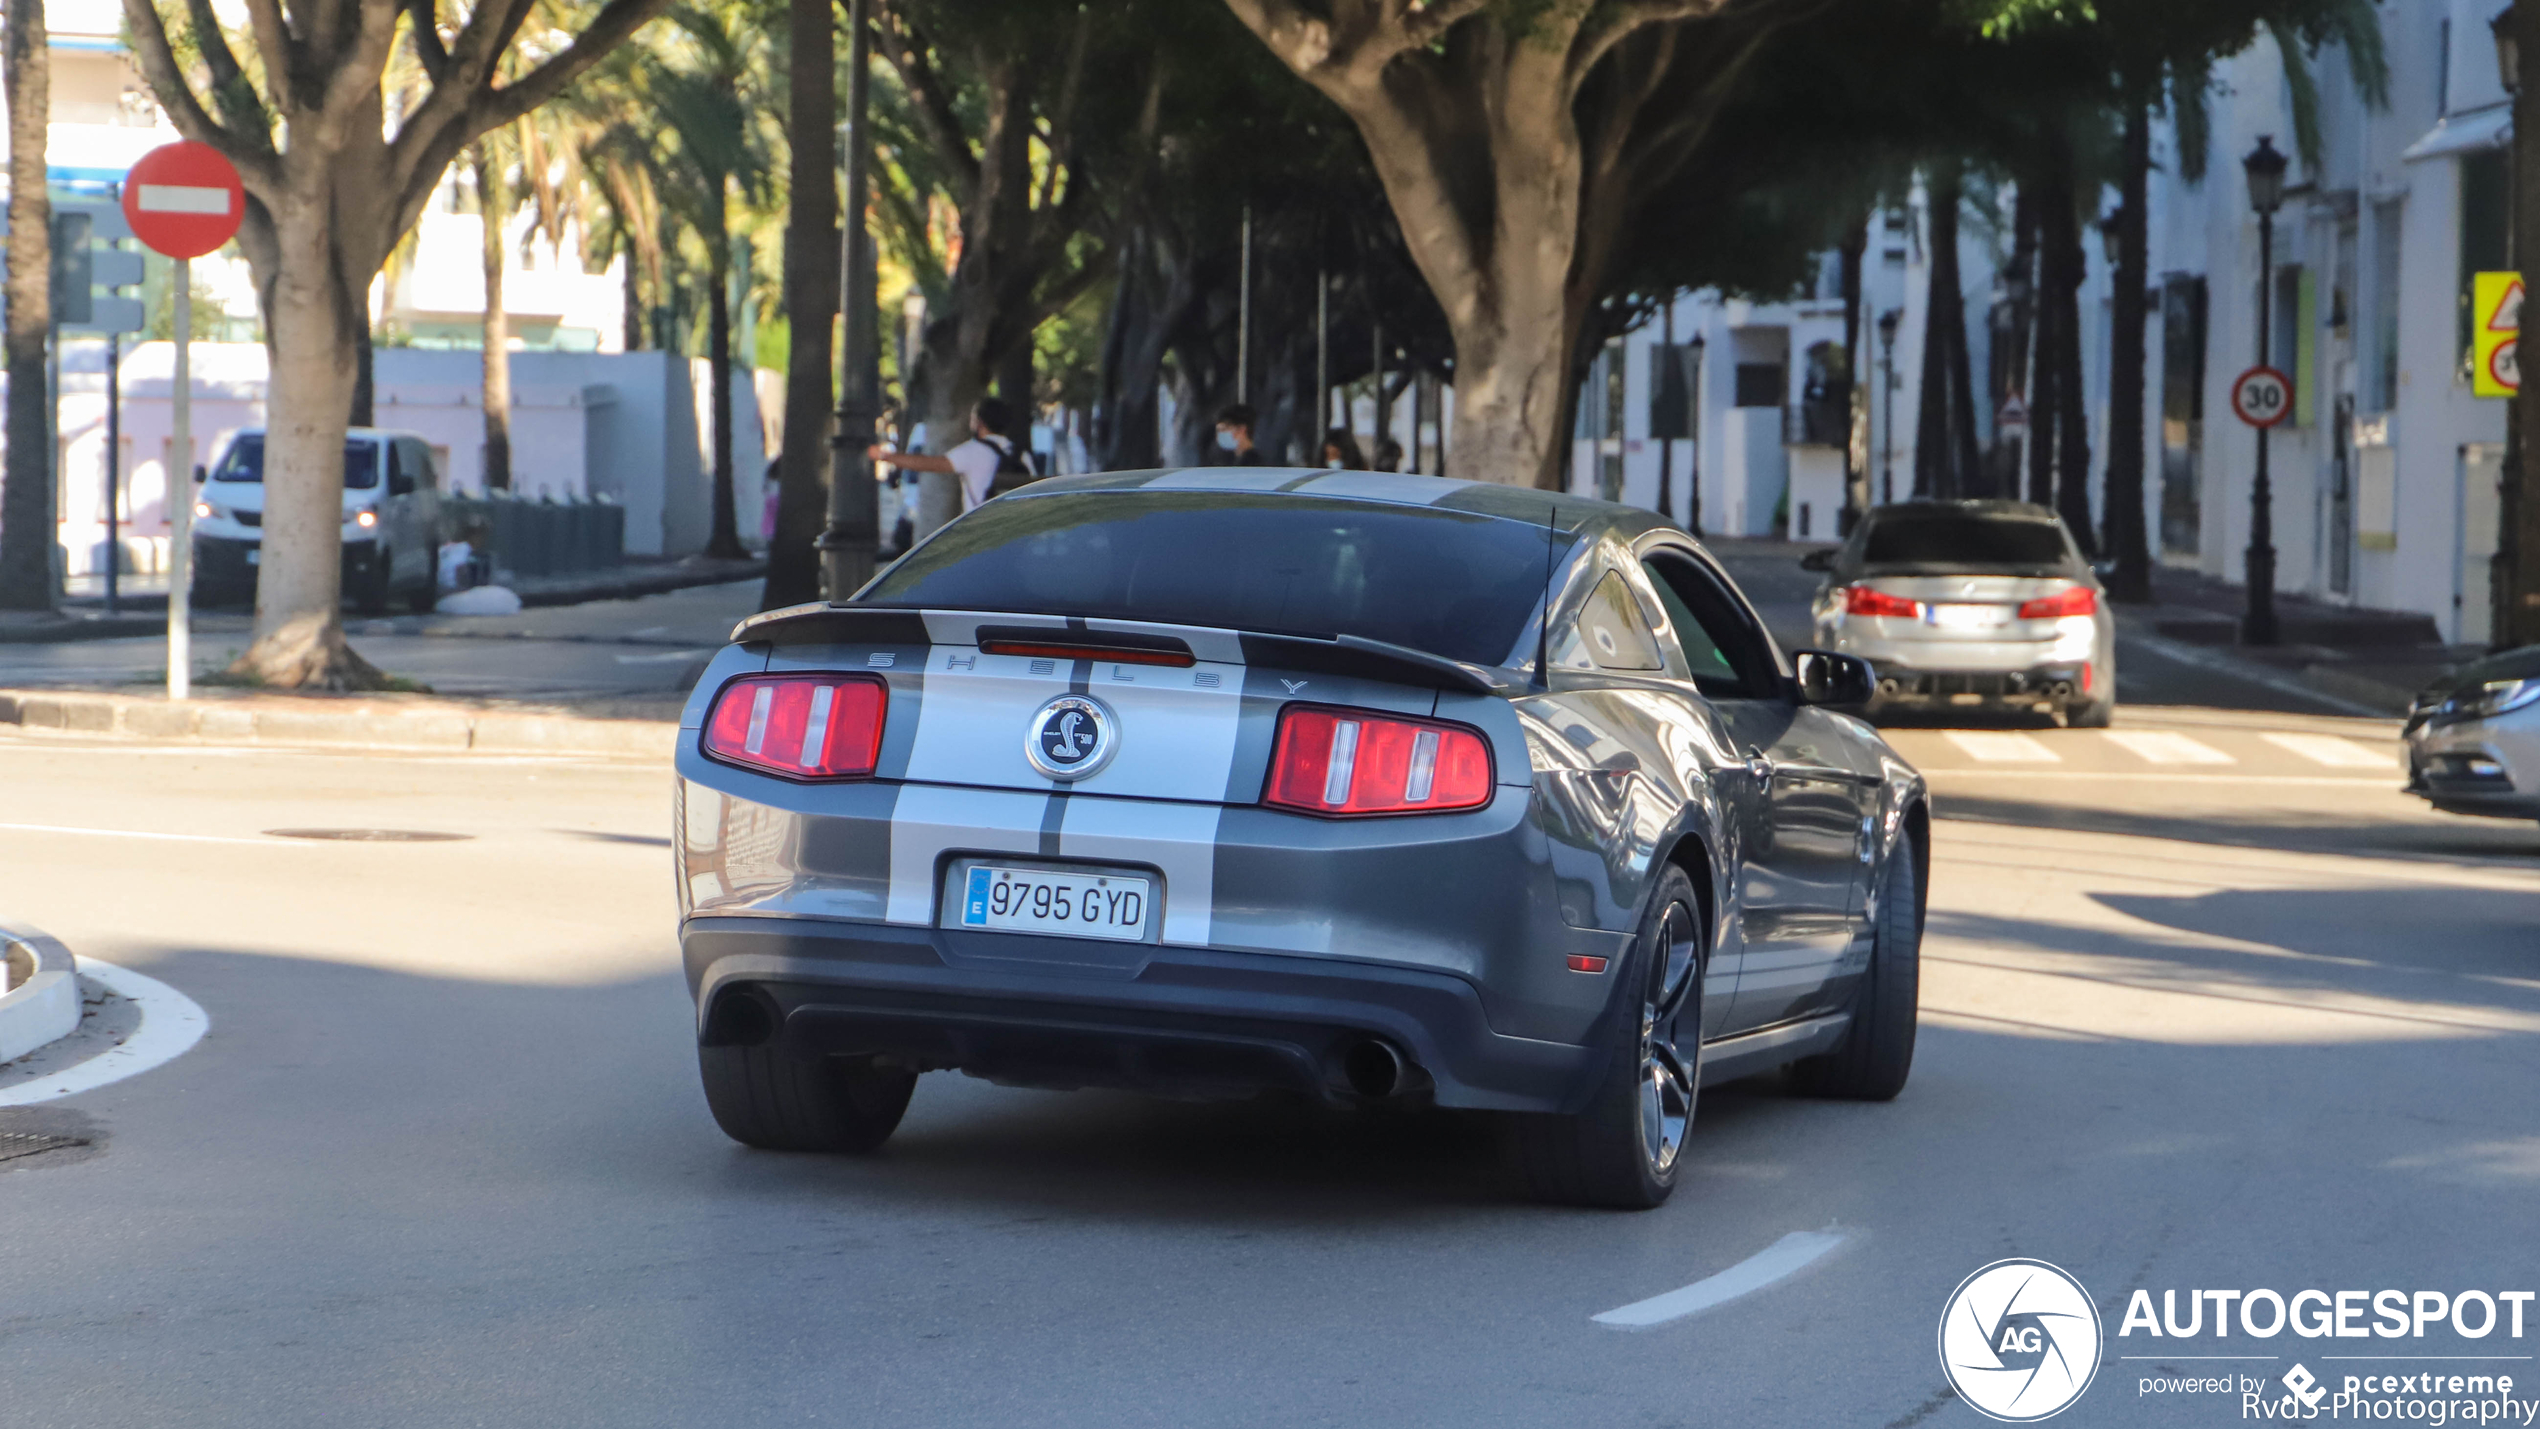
{"points": [[206, 511], [365, 519], [2495, 697]]}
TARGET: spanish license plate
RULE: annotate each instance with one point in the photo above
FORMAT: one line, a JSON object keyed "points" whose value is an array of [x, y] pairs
{"points": [[1063, 905], [1960, 616]]}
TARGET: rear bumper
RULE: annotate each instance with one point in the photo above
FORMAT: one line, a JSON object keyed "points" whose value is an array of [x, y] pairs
{"points": [[1053, 1012], [2052, 683]]}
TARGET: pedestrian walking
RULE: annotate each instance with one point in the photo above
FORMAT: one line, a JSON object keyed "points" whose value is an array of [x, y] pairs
{"points": [[993, 462], [1340, 451], [1234, 437]]}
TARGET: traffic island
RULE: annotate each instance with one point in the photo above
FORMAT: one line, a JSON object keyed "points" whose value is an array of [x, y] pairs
{"points": [[39, 992], [643, 729]]}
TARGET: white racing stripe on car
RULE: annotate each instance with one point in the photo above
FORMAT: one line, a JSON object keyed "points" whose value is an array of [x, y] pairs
{"points": [[1776, 1262], [1180, 839], [1225, 478], [971, 717], [961, 627], [1177, 729], [1409, 488], [928, 819]]}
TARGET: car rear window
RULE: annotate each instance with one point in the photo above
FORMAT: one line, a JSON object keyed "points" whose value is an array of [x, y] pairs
{"points": [[1953, 539], [1447, 582], [245, 461]]}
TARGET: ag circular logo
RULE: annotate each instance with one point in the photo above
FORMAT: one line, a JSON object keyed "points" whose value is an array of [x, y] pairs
{"points": [[2019, 1340], [1072, 737]]}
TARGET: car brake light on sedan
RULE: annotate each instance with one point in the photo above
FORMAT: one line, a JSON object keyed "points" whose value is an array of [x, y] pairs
{"points": [[800, 726], [2071, 600], [1863, 600], [1337, 761]]}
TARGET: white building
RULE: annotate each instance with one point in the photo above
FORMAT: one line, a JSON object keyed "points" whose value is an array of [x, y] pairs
{"points": [[2384, 479]]}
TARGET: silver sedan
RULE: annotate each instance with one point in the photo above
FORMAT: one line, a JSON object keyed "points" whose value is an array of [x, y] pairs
{"points": [[2474, 738], [1971, 603]]}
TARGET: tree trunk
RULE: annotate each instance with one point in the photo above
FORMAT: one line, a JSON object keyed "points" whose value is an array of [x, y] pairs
{"points": [[493, 207], [365, 386], [27, 530], [2013, 364], [2128, 540], [1944, 332], [725, 543], [1856, 439], [631, 306], [2043, 404], [811, 305], [2072, 431], [314, 322]]}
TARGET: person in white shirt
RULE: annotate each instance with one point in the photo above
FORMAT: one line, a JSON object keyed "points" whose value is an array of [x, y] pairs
{"points": [[990, 450]]}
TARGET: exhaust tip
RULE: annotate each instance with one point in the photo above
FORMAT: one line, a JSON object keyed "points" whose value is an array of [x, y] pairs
{"points": [[1372, 1068]]}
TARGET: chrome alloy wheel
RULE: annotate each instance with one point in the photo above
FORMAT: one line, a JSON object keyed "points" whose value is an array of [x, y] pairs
{"points": [[1669, 1072]]}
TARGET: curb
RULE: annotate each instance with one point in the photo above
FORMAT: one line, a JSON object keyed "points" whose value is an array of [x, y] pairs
{"points": [[82, 627], [41, 1001], [373, 724]]}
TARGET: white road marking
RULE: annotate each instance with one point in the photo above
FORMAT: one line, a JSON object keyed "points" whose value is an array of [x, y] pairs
{"points": [[132, 834], [171, 1023], [2003, 747], [2140, 776], [2332, 750], [2163, 747], [1779, 1261]]}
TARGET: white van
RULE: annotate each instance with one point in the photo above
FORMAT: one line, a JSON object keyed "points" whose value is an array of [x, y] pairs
{"points": [[392, 521]]}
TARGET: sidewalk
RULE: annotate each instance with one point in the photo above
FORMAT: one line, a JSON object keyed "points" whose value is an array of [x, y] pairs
{"points": [[634, 728], [2375, 659], [142, 601]]}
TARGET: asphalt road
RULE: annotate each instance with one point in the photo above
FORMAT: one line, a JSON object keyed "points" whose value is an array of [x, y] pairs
{"points": [[2245, 1017]]}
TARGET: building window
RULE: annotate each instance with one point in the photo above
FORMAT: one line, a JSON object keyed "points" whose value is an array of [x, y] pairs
{"points": [[2289, 346], [2381, 359], [1674, 414], [1760, 384], [2483, 222]]}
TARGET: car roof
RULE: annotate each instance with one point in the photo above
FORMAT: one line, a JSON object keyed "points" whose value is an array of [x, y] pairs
{"points": [[1411, 490], [258, 430]]}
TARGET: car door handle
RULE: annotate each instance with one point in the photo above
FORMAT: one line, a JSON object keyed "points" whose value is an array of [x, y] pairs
{"points": [[1760, 764]]}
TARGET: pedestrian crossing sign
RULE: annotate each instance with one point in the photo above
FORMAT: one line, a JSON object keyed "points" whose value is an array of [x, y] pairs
{"points": [[2495, 366]]}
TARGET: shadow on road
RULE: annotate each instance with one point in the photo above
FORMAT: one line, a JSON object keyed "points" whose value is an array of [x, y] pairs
{"points": [[2289, 830]]}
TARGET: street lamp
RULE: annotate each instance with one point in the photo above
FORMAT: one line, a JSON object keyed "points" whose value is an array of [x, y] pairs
{"points": [[1693, 423], [855, 515], [1887, 444], [2508, 50], [2264, 167]]}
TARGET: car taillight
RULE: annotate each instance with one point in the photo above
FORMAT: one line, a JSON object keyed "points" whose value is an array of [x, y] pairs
{"points": [[1335, 761], [1861, 600], [2071, 600], [799, 726]]}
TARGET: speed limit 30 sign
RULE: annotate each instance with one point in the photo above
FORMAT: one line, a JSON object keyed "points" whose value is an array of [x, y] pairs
{"points": [[2262, 396]]}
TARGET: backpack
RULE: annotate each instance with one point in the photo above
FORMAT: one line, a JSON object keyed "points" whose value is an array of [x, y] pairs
{"points": [[1014, 469]]}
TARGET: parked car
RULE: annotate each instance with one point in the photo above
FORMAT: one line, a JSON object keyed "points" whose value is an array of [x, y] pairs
{"points": [[392, 521], [1983, 603], [2473, 738], [1362, 786]]}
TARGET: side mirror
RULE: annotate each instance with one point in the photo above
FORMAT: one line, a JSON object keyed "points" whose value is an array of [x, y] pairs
{"points": [[1826, 678], [198, 475], [1821, 559]]}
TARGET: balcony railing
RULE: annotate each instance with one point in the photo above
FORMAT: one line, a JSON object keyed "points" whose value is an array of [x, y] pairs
{"points": [[1817, 422]]}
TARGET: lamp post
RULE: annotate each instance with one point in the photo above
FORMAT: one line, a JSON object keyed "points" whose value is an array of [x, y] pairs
{"points": [[2264, 167], [855, 518], [2507, 578], [1887, 442], [1693, 424]]}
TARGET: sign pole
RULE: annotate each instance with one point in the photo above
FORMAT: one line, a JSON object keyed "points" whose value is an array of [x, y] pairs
{"points": [[114, 472], [179, 482]]}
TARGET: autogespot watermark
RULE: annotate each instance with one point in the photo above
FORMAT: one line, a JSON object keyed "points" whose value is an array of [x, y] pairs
{"points": [[2020, 1341]]}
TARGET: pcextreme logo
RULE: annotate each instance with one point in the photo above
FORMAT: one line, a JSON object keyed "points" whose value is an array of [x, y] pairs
{"points": [[2019, 1340]]}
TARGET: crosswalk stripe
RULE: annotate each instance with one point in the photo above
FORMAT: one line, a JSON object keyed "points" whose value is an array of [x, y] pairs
{"points": [[2331, 750], [2002, 747], [2163, 747]]}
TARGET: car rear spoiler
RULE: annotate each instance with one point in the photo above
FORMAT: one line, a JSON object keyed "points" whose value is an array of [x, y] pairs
{"points": [[823, 624]]}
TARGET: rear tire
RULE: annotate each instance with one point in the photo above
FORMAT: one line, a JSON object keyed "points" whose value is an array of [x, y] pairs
{"points": [[774, 1102], [2098, 714], [1877, 1052], [1625, 1148]]}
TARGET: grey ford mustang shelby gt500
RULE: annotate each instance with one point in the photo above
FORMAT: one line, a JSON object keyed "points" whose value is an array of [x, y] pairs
{"points": [[1359, 785]]}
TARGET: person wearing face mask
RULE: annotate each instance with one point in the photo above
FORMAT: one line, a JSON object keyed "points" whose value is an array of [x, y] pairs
{"points": [[1234, 437], [1340, 451]]}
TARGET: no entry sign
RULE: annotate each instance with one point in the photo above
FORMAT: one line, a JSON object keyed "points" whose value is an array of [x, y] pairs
{"points": [[2262, 396], [183, 199]]}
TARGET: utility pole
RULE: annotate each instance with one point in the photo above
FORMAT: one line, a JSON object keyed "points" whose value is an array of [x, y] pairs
{"points": [[846, 547], [1243, 313]]}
